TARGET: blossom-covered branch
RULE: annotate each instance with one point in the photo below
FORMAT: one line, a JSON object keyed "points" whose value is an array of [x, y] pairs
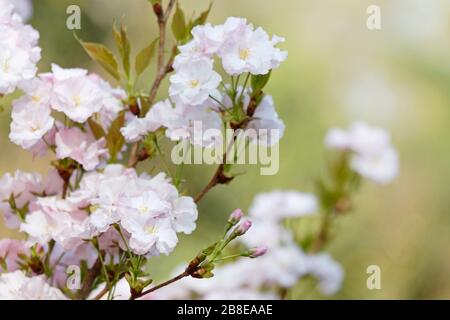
{"points": [[93, 222]]}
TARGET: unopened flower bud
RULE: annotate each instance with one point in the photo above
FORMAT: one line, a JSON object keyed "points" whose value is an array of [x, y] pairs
{"points": [[242, 228], [235, 216], [257, 252]]}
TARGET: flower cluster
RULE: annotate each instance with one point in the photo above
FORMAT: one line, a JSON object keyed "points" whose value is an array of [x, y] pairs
{"points": [[24, 8], [78, 96], [148, 209], [194, 88], [19, 51], [280, 265], [17, 286], [372, 154], [97, 213]]}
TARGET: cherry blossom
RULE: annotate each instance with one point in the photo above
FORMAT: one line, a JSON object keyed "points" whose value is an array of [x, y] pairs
{"points": [[17, 286], [9, 252], [21, 188], [51, 218], [75, 94], [23, 8], [373, 156], [193, 83], [19, 51], [249, 50], [81, 147], [31, 122], [277, 205], [104, 210]]}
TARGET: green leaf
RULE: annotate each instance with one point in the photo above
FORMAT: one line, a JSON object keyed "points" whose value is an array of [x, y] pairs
{"points": [[179, 25], [144, 57], [123, 44], [96, 128], [114, 138], [201, 19], [260, 81], [103, 56]]}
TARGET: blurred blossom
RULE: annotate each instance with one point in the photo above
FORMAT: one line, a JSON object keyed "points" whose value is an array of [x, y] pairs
{"points": [[373, 156], [277, 205], [24, 8]]}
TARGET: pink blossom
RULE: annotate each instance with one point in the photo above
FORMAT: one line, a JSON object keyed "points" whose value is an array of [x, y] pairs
{"points": [[81, 147]]}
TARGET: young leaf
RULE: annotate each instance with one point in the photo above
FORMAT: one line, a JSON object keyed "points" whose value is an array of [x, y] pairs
{"points": [[144, 57], [259, 82], [96, 128], [114, 138], [123, 44], [179, 24], [201, 19], [103, 56]]}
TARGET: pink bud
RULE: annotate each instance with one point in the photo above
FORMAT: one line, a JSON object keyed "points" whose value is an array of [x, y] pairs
{"points": [[235, 216], [243, 228], [257, 252]]}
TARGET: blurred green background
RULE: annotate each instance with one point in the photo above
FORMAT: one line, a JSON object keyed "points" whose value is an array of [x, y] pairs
{"points": [[338, 71]]}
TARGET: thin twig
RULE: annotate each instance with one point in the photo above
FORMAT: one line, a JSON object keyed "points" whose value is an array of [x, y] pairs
{"points": [[219, 176], [162, 71], [161, 285], [101, 293], [211, 184], [323, 235], [90, 279]]}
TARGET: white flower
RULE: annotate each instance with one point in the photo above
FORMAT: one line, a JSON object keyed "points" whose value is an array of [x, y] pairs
{"points": [[380, 167], [198, 124], [373, 155], [158, 115], [111, 100], [151, 236], [17, 286], [277, 205], [108, 202], [266, 127], [23, 8], [284, 266], [249, 50], [57, 219], [184, 215], [21, 187], [75, 94], [328, 272], [31, 121], [194, 82], [149, 209], [207, 40], [19, 52], [9, 251], [266, 233], [80, 146]]}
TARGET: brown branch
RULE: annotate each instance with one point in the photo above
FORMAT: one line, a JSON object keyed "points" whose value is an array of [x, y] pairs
{"points": [[101, 293], [162, 73], [133, 160], [162, 70], [219, 176], [90, 279], [161, 285], [322, 236]]}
